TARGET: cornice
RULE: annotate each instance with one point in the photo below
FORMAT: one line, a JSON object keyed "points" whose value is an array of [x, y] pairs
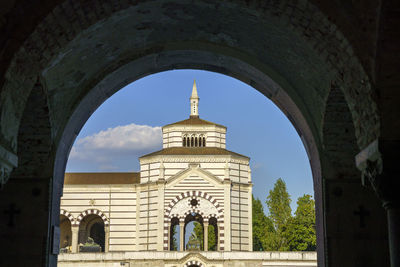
{"points": [[194, 159]]}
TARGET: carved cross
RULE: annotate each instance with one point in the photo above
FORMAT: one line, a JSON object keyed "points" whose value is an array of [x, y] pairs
{"points": [[12, 212], [362, 213]]}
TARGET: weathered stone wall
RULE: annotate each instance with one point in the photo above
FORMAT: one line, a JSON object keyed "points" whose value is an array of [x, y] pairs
{"points": [[310, 48]]}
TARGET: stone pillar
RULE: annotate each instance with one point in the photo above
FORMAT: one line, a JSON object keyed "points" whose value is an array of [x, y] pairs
{"points": [[168, 235], [217, 236], [137, 239], [250, 215], [225, 225], [393, 216], [378, 163], [106, 237], [205, 234], [74, 241], [181, 235], [161, 188]]}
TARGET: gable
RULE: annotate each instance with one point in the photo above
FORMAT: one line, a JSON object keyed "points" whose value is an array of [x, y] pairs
{"points": [[193, 177]]}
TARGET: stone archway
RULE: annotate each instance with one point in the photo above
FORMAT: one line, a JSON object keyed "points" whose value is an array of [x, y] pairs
{"points": [[277, 57]]}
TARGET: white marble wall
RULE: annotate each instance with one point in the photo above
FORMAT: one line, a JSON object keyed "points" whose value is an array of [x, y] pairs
{"points": [[215, 135]]}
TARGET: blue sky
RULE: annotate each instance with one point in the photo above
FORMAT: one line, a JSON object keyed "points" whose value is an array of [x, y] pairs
{"points": [[127, 126]]}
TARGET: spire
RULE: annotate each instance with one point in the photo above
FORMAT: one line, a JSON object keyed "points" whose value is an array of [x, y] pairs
{"points": [[194, 90], [194, 101]]}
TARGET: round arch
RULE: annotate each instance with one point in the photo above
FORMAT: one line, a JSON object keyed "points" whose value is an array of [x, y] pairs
{"points": [[89, 212], [276, 67], [191, 195], [205, 60], [68, 215]]}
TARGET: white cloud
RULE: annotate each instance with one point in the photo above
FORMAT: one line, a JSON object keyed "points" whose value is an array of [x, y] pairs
{"points": [[105, 147]]}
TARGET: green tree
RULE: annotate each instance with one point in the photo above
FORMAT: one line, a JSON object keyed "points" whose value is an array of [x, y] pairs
{"points": [[278, 202], [174, 245], [262, 226], [300, 232], [198, 230], [212, 244], [198, 233]]}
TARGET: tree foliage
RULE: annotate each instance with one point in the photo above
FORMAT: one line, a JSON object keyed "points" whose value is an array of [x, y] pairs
{"points": [[174, 244], [300, 232], [262, 226], [278, 203], [198, 232], [280, 231]]}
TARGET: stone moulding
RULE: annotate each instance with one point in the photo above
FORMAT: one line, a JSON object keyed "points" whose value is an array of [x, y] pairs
{"points": [[89, 212], [190, 159], [68, 215], [8, 161]]}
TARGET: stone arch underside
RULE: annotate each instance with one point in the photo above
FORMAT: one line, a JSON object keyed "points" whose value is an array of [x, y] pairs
{"points": [[294, 68], [344, 67]]}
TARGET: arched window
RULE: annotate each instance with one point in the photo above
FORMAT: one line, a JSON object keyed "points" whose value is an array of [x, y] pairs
{"points": [[192, 142], [92, 234], [200, 141], [184, 141], [196, 142], [65, 234], [196, 237], [204, 141], [212, 234], [174, 235]]}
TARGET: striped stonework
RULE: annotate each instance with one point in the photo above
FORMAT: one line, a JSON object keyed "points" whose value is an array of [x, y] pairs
{"points": [[89, 212], [193, 262], [68, 215], [193, 195]]}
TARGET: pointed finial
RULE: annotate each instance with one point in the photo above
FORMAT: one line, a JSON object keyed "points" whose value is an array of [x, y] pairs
{"points": [[194, 102], [194, 90]]}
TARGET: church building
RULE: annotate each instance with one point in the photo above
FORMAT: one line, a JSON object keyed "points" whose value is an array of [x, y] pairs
{"points": [[192, 178]]}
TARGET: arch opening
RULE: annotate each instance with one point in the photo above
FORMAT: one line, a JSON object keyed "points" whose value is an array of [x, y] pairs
{"points": [[65, 234], [91, 234], [195, 240], [174, 235], [264, 82], [162, 61]]}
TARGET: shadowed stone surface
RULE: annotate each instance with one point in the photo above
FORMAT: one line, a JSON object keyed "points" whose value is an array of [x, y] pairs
{"points": [[331, 66]]}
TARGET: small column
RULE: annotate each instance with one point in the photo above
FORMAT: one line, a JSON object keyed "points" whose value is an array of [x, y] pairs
{"points": [[205, 224], [181, 235], [217, 236], [74, 241], [393, 215], [168, 235], [106, 237]]}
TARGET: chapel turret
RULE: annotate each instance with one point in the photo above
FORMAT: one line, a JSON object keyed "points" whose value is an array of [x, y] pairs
{"points": [[194, 132]]}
